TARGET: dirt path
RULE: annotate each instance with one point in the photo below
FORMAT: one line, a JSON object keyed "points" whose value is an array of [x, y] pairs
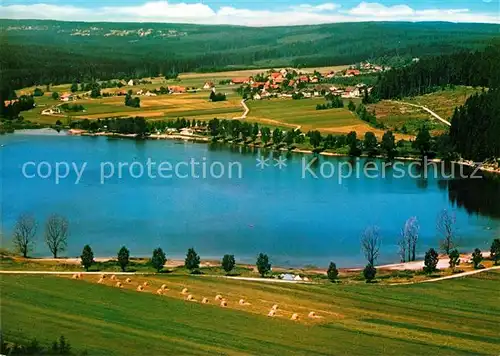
{"points": [[425, 109], [458, 275], [245, 113]]}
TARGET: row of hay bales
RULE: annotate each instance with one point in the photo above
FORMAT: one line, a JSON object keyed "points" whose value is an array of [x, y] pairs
{"points": [[189, 297]]}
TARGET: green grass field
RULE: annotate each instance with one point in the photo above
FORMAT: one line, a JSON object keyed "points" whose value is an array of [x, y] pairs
{"points": [[303, 113], [443, 103], [456, 317]]}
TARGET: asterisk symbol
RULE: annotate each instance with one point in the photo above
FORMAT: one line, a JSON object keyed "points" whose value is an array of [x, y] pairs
{"points": [[280, 162], [262, 162]]}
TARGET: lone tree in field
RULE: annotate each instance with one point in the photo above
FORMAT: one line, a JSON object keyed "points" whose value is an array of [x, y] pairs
{"points": [[24, 234], [228, 263], [430, 261], [87, 257], [56, 234], [409, 238], [123, 258], [477, 257], [446, 229], [495, 251], [370, 244], [454, 258], [369, 273], [192, 261], [333, 272], [263, 265], [158, 260]]}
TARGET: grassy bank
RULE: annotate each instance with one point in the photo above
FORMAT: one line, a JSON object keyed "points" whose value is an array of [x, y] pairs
{"points": [[444, 318]]}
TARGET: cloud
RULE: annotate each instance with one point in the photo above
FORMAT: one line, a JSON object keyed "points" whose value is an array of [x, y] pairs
{"points": [[166, 11], [379, 10], [328, 6]]}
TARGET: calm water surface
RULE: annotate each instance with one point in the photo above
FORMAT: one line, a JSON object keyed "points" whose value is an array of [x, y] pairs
{"points": [[296, 221]]}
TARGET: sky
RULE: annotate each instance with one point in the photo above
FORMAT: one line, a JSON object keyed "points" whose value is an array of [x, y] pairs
{"points": [[254, 13]]}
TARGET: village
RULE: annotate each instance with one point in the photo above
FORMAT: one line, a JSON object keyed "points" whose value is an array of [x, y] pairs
{"points": [[296, 84]]}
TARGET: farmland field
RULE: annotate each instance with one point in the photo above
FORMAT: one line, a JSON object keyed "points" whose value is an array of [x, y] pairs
{"points": [[395, 115], [444, 318], [303, 113]]}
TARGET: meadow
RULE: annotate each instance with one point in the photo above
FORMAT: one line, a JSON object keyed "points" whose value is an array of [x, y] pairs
{"points": [[394, 115], [302, 113], [443, 318]]}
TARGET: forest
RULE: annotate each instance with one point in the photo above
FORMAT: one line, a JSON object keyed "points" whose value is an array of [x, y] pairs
{"points": [[478, 69], [41, 52]]}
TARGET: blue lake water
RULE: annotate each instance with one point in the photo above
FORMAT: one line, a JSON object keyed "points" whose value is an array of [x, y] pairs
{"points": [[296, 220]]}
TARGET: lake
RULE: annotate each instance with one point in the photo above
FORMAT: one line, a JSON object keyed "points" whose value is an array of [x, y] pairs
{"points": [[225, 203]]}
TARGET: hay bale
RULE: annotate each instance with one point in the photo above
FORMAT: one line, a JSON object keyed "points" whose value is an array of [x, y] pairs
{"points": [[140, 288], [190, 297], [145, 284], [218, 297], [128, 280], [275, 307], [118, 284], [113, 277], [159, 291], [243, 302], [223, 304], [312, 315], [271, 313], [103, 276], [204, 300], [80, 275], [184, 291], [164, 286], [295, 316], [75, 276], [100, 281]]}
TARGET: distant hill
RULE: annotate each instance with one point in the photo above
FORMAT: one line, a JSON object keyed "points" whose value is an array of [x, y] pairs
{"points": [[39, 52]]}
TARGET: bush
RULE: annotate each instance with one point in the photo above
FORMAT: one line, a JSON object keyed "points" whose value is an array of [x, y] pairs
{"points": [[430, 261], [87, 257], [228, 263], [159, 258], [192, 261], [333, 272], [123, 258], [477, 257], [369, 273], [263, 265], [454, 258], [495, 251]]}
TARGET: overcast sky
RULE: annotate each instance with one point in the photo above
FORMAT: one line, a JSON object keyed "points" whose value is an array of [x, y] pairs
{"points": [[253, 13]]}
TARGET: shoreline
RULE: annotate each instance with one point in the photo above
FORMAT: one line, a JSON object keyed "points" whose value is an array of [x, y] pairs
{"points": [[417, 265], [205, 139]]}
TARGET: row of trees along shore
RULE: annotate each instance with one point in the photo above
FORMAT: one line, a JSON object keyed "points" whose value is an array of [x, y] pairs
{"points": [[243, 132], [57, 234]]}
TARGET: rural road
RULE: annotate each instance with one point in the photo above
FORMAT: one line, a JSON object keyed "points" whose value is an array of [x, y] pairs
{"points": [[425, 109], [245, 113], [458, 275]]}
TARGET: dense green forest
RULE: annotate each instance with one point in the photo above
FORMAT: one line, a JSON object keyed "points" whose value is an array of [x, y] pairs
{"points": [[41, 52], [475, 126], [479, 69]]}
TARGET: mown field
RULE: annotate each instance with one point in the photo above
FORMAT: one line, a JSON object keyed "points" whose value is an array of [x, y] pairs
{"points": [[395, 115], [455, 317], [303, 113]]}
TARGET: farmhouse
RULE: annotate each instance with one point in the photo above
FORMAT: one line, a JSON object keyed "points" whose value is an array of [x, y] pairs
{"points": [[130, 83], [68, 97], [352, 72], [176, 89], [241, 80]]}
